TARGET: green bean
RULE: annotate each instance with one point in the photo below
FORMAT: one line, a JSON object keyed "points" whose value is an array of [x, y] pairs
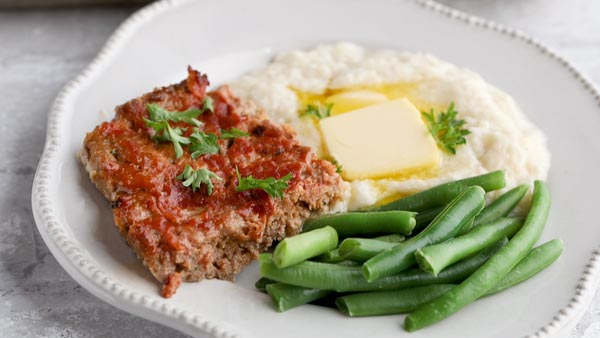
{"points": [[492, 272], [468, 225], [536, 260], [261, 284], [331, 256], [447, 224], [500, 207], [286, 296], [361, 249], [359, 223], [393, 238], [435, 258], [293, 250], [442, 194], [389, 302], [308, 274], [334, 256], [341, 278], [423, 218]]}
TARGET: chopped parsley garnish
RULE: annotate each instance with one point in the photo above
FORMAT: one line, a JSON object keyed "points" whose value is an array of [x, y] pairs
{"points": [[446, 129], [160, 114], [165, 133], [202, 143], [270, 185], [207, 105], [317, 111], [159, 119], [233, 133], [175, 136], [195, 178]]}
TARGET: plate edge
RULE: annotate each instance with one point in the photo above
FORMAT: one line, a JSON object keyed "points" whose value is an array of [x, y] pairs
{"points": [[106, 289]]}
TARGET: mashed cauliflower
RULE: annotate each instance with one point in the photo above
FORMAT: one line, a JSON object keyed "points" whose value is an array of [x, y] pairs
{"points": [[501, 136]]}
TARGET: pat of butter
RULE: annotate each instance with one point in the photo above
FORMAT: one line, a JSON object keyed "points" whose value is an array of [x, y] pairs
{"points": [[352, 100], [384, 140]]}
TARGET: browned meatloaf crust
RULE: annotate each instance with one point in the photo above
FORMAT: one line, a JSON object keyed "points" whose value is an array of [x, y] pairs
{"points": [[188, 235]]}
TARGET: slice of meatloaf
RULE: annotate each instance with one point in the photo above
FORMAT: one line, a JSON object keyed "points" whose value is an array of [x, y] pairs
{"points": [[181, 234]]}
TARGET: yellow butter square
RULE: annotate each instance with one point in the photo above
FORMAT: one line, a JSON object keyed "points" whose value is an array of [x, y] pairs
{"points": [[383, 140]]}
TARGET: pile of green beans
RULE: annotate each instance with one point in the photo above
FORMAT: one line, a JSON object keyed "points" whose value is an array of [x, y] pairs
{"points": [[345, 278], [436, 257], [492, 272], [445, 225], [429, 254]]}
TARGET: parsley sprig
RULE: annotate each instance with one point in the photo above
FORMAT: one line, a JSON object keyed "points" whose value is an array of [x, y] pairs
{"points": [[202, 143], [207, 143], [160, 114], [165, 133], [208, 105], [159, 119], [195, 178], [272, 186], [233, 133], [446, 129], [317, 111]]}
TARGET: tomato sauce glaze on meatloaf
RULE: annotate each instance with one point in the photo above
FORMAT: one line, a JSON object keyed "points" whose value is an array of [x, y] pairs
{"points": [[188, 235]]}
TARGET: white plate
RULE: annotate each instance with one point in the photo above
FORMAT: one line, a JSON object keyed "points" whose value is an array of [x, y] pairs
{"points": [[226, 38]]}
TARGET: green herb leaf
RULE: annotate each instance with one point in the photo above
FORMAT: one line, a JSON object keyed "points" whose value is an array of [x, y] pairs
{"points": [[202, 143], [157, 126], [338, 166], [207, 105], [160, 114], [195, 178], [233, 133], [165, 133], [446, 129], [270, 185], [317, 111], [159, 121], [175, 135]]}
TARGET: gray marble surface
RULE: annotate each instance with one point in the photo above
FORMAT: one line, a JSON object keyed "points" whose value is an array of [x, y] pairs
{"points": [[42, 49]]}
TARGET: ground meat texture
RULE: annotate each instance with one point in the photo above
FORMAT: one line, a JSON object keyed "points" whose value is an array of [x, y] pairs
{"points": [[181, 234]]}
